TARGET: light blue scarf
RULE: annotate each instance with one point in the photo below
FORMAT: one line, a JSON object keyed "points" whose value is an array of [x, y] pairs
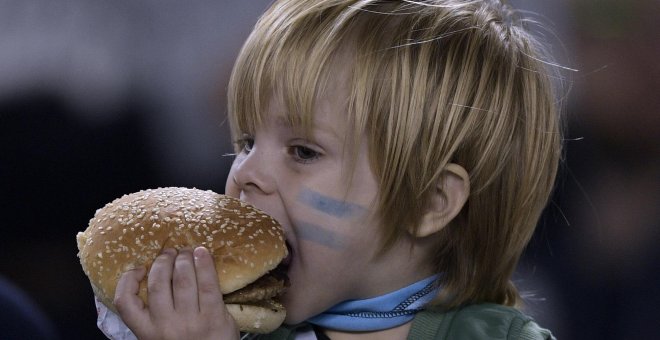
{"points": [[381, 312]]}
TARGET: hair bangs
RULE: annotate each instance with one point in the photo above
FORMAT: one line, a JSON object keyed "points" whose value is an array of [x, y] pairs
{"points": [[287, 60]]}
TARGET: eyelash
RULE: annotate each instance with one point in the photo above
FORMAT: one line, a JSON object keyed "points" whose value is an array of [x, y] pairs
{"points": [[311, 154], [300, 153], [244, 144]]}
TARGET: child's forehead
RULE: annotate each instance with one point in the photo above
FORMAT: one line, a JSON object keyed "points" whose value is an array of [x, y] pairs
{"points": [[328, 116]]}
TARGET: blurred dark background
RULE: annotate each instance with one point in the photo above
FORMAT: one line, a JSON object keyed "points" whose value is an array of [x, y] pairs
{"points": [[104, 98]]}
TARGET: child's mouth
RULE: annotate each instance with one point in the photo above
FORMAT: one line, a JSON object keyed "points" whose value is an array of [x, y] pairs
{"points": [[287, 260]]}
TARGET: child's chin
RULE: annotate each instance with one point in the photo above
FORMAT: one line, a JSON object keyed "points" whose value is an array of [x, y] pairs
{"points": [[293, 320], [294, 314]]}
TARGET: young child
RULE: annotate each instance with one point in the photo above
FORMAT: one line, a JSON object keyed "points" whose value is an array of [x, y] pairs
{"points": [[407, 147]]}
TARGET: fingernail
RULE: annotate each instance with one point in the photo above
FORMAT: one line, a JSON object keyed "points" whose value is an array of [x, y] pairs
{"points": [[200, 252], [139, 270], [169, 251]]}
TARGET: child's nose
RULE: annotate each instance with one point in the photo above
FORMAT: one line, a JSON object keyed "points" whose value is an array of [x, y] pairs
{"points": [[253, 173]]}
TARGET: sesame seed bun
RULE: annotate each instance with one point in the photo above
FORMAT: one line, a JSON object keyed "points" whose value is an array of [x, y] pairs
{"points": [[132, 230]]}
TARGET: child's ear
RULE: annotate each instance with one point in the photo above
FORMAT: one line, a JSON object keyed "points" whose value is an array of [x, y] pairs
{"points": [[451, 193]]}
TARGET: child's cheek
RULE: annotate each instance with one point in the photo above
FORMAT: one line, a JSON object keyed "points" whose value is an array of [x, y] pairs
{"points": [[326, 220], [328, 205], [319, 235]]}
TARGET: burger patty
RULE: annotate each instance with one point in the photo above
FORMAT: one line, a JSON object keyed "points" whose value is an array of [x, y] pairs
{"points": [[266, 287]]}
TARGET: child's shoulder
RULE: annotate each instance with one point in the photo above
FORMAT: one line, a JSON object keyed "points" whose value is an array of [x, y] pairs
{"points": [[478, 321]]}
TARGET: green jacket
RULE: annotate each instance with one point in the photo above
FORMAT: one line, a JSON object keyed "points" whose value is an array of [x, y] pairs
{"points": [[482, 321]]}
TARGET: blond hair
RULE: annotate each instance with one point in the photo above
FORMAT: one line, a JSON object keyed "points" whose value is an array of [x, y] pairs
{"points": [[432, 83]]}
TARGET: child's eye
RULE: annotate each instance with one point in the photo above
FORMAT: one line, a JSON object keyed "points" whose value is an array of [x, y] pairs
{"points": [[303, 154], [244, 145]]}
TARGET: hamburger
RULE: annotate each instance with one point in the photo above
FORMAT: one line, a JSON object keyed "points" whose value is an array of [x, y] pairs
{"points": [[247, 246]]}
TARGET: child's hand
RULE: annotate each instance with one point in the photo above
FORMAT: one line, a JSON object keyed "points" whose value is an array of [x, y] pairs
{"points": [[184, 299]]}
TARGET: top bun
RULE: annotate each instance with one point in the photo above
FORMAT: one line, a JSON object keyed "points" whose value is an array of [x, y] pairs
{"points": [[132, 230]]}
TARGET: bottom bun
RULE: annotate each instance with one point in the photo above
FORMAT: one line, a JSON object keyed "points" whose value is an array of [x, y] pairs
{"points": [[262, 318]]}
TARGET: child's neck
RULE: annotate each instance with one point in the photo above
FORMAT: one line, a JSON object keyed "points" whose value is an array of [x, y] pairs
{"points": [[400, 332]]}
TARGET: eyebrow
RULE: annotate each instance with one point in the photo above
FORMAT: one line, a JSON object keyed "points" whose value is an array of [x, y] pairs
{"points": [[281, 121], [329, 205]]}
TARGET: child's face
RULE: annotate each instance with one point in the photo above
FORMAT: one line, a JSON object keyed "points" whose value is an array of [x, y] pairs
{"points": [[329, 223]]}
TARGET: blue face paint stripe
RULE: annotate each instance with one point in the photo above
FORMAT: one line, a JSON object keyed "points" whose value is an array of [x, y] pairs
{"points": [[317, 234], [329, 205]]}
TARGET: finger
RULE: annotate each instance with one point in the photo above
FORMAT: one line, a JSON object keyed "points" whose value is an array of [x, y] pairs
{"points": [[184, 283], [159, 284], [210, 297], [129, 305]]}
